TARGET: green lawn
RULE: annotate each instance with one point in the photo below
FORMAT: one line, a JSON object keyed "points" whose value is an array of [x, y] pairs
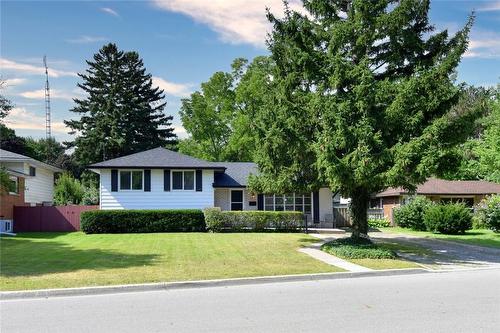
{"points": [[380, 255], [60, 260], [482, 237]]}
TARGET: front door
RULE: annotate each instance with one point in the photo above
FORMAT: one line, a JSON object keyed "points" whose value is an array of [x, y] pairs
{"points": [[237, 200]]}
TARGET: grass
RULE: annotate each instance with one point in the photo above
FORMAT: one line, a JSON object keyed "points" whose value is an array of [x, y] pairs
{"points": [[60, 260], [380, 255], [481, 237]]}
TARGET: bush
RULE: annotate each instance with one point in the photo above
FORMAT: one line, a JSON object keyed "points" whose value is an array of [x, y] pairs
{"points": [[132, 221], [489, 212], [448, 218], [349, 248], [90, 195], [411, 215], [378, 223], [68, 190], [218, 220]]}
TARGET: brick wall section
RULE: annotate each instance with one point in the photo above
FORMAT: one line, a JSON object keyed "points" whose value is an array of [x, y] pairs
{"points": [[8, 201]]}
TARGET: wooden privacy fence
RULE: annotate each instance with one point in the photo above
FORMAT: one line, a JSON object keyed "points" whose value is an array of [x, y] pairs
{"points": [[342, 216], [48, 218]]}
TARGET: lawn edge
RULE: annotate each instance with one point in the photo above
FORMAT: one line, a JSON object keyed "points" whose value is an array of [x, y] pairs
{"points": [[128, 288]]}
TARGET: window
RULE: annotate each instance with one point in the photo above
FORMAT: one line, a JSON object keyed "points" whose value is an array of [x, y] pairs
{"points": [[237, 200], [183, 180], [131, 180], [32, 171], [13, 185], [289, 202]]}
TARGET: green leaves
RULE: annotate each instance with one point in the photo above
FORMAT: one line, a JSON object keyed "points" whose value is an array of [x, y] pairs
{"points": [[122, 112]]}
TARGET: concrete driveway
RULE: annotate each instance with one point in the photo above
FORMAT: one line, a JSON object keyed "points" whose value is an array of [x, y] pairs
{"points": [[445, 254]]}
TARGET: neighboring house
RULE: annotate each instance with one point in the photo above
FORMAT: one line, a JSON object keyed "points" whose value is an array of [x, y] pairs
{"points": [[32, 182], [438, 190], [163, 179]]}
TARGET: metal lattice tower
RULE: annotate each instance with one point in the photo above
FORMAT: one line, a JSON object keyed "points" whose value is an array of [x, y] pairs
{"points": [[47, 100]]}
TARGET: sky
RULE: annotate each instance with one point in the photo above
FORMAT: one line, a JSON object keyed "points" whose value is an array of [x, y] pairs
{"points": [[182, 43]]}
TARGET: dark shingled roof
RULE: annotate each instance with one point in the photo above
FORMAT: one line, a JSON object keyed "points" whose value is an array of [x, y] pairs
{"points": [[157, 158], [452, 187], [236, 174]]}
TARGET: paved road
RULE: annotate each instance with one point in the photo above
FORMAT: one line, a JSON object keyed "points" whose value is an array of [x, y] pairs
{"points": [[460, 301]]}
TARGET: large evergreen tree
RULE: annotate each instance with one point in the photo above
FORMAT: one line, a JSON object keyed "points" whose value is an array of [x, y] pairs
{"points": [[122, 113], [361, 100]]}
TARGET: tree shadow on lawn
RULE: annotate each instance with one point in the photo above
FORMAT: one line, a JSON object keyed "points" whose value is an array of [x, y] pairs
{"points": [[24, 257]]}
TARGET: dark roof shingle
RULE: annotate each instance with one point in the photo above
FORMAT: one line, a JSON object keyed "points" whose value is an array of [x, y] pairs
{"points": [[236, 174], [157, 158]]}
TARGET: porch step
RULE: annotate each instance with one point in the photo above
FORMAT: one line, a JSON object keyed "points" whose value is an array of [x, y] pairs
{"points": [[326, 231]]}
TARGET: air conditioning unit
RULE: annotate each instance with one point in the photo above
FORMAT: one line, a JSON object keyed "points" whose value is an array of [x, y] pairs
{"points": [[6, 226]]}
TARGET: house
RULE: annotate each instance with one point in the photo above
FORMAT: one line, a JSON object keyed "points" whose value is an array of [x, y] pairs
{"points": [[163, 179], [437, 190], [32, 182]]}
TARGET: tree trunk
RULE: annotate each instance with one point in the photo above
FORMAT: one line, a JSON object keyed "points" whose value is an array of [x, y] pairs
{"points": [[359, 212]]}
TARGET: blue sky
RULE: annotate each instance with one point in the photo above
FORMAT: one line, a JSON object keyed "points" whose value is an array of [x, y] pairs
{"points": [[182, 42]]}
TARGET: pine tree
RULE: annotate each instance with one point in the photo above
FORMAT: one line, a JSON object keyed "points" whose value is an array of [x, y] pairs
{"points": [[361, 100], [122, 112]]}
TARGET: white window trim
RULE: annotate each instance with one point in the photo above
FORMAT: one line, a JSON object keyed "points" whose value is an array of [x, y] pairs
{"points": [[120, 180], [182, 190], [16, 179], [237, 202], [294, 204]]}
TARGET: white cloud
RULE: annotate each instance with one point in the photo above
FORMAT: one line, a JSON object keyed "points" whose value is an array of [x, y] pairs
{"points": [[180, 131], [86, 39], [13, 82], [54, 93], [110, 11], [484, 44], [236, 21], [491, 7], [171, 88], [20, 118], [6, 64]]}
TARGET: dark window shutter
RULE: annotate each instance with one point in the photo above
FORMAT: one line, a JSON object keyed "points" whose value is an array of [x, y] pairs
{"points": [[147, 180], [260, 201], [316, 206], [166, 180], [199, 181], [114, 180]]}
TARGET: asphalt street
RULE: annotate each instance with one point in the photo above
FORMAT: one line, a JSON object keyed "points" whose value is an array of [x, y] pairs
{"points": [[458, 301]]}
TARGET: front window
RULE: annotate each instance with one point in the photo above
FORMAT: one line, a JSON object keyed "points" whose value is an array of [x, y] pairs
{"points": [[469, 202], [288, 202], [183, 180], [13, 185], [131, 180]]}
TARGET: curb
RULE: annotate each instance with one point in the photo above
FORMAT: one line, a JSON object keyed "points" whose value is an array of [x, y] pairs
{"points": [[102, 290]]}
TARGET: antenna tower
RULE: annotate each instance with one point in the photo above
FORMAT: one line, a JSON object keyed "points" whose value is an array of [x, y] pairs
{"points": [[47, 100]]}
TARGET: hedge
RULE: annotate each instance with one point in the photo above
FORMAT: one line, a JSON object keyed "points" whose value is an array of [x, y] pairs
{"points": [[218, 220], [489, 213], [133, 221], [412, 214], [448, 218]]}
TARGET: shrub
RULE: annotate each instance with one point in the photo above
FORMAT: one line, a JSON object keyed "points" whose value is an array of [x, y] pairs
{"points": [[68, 190], [411, 215], [350, 248], [489, 212], [90, 195], [218, 220], [378, 223], [453, 218], [132, 221]]}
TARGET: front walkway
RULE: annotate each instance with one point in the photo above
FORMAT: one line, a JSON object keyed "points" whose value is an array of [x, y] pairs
{"points": [[314, 250], [445, 254]]}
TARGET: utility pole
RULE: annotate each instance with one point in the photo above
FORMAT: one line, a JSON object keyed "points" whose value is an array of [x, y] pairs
{"points": [[47, 100]]}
